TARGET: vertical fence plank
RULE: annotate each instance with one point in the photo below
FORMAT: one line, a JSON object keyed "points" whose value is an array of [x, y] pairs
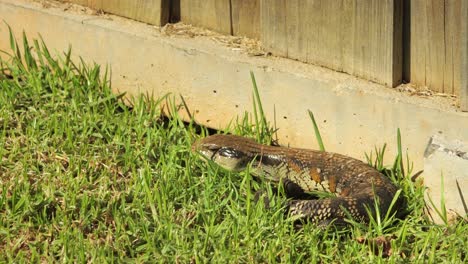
{"points": [[452, 47], [296, 31], [434, 53], [246, 18], [273, 26], [464, 56], [326, 33], [435, 37], [377, 41], [360, 37], [155, 12], [417, 36], [212, 14], [312, 19], [347, 24]]}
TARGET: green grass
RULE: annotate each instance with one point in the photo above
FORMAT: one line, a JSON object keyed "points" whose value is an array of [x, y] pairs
{"points": [[87, 178]]}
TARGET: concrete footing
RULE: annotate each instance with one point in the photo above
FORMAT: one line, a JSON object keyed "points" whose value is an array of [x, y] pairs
{"points": [[446, 175]]}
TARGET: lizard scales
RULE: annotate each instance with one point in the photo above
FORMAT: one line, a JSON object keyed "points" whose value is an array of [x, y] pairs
{"points": [[355, 183]]}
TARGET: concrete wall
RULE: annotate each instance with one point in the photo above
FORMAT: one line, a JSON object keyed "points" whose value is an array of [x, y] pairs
{"points": [[354, 115]]}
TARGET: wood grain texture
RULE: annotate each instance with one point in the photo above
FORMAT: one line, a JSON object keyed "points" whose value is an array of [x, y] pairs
{"points": [[273, 26], [434, 43], [464, 56], [246, 18], [360, 37], [155, 12], [211, 14]]}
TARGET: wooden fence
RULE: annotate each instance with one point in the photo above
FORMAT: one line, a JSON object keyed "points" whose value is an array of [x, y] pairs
{"points": [[433, 44], [355, 36], [386, 41], [155, 12]]}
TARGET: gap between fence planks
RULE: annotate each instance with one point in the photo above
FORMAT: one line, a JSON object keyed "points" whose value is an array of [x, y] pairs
{"points": [[232, 17]]}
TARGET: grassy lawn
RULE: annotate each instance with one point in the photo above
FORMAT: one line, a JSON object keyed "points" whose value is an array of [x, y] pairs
{"points": [[87, 178]]}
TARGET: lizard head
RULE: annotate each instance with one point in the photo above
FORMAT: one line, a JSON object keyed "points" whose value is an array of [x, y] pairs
{"points": [[228, 151]]}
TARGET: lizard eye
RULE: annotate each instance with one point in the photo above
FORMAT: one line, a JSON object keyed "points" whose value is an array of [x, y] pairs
{"points": [[212, 147]]}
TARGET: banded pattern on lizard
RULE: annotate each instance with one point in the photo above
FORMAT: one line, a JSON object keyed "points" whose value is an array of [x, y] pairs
{"points": [[355, 183]]}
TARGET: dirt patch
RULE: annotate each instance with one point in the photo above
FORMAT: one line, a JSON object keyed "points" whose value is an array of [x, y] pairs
{"points": [[425, 92], [70, 7], [251, 46]]}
